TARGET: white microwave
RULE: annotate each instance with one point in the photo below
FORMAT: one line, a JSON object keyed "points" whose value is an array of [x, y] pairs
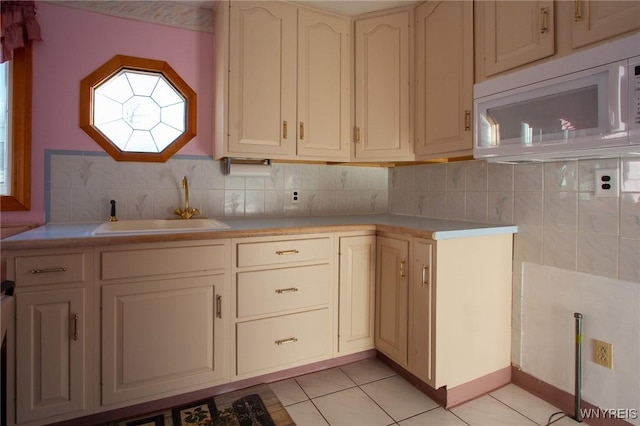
{"points": [[580, 106]]}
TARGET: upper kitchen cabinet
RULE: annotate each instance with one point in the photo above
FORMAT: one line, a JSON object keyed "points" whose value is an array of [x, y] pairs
{"points": [[261, 102], [513, 33], [599, 20], [382, 78], [510, 35], [444, 79], [282, 82], [324, 77]]}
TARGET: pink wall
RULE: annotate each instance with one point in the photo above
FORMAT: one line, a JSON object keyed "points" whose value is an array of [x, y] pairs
{"points": [[75, 43]]}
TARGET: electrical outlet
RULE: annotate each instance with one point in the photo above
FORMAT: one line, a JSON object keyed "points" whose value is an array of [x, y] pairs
{"points": [[606, 184], [295, 196], [603, 353]]}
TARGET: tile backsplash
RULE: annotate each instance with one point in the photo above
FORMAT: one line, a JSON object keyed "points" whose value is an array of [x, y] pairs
{"points": [[79, 186], [561, 223]]}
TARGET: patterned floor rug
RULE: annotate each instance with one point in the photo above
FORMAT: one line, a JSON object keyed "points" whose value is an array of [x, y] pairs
{"points": [[254, 406]]}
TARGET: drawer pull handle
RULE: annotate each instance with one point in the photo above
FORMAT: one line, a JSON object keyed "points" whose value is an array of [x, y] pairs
{"points": [[577, 13], [76, 317], [285, 252], [285, 129], [402, 269], [425, 274], [544, 16], [467, 120], [285, 341], [301, 131], [218, 306], [286, 290], [45, 271]]}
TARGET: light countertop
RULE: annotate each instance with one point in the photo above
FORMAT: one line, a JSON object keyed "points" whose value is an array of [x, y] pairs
{"points": [[78, 235]]}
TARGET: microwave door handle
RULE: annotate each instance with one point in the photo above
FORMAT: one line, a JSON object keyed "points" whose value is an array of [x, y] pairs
{"points": [[617, 99]]}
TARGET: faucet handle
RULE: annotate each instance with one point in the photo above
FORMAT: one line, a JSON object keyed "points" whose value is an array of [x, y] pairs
{"points": [[113, 217]]}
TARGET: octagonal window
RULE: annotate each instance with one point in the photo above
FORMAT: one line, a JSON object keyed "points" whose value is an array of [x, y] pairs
{"points": [[137, 109]]}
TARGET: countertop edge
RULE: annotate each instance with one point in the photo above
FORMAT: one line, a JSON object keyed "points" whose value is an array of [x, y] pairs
{"points": [[377, 223]]}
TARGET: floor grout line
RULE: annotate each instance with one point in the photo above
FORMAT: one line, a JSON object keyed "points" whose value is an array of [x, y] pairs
{"points": [[394, 421], [507, 405]]}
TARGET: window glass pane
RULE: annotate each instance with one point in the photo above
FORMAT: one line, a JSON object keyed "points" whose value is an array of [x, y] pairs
{"points": [[174, 116], [166, 95], [116, 88], [163, 135], [142, 84], [139, 111], [5, 155]]}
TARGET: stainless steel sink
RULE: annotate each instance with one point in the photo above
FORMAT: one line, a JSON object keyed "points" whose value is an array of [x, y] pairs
{"points": [[152, 226]]}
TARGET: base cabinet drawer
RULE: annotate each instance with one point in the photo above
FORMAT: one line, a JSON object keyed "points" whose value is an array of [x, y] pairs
{"points": [[278, 290], [283, 341], [60, 268], [285, 251]]}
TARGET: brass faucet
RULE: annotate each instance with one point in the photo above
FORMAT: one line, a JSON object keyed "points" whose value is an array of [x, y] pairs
{"points": [[187, 212]]}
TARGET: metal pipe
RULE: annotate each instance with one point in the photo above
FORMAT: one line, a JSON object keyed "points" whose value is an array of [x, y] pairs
{"points": [[578, 383]]}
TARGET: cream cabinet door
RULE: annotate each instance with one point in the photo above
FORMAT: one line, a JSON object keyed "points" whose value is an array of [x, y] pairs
{"points": [[356, 293], [382, 78], [324, 104], [599, 20], [514, 33], [161, 336], [52, 369], [444, 79], [421, 311], [392, 256], [262, 79]]}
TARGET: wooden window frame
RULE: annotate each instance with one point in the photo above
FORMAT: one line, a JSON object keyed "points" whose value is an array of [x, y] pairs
{"points": [[113, 67], [20, 116]]}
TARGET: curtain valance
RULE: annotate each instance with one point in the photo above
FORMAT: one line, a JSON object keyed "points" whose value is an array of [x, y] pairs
{"points": [[19, 26]]}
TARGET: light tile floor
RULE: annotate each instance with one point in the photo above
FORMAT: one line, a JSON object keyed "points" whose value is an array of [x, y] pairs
{"points": [[370, 393]]}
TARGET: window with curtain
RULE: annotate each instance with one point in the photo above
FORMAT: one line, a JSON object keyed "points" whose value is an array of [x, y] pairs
{"points": [[18, 27]]}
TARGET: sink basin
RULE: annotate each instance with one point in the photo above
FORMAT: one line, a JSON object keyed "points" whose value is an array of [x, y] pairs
{"points": [[153, 226]]}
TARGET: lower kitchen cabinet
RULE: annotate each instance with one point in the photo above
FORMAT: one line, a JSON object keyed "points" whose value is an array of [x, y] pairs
{"points": [[163, 319], [53, 378], [356, 288], [160, 336], [107, 327], [392, 257], [53, 361], [282, 297], [447, 320], [422, 308]]}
